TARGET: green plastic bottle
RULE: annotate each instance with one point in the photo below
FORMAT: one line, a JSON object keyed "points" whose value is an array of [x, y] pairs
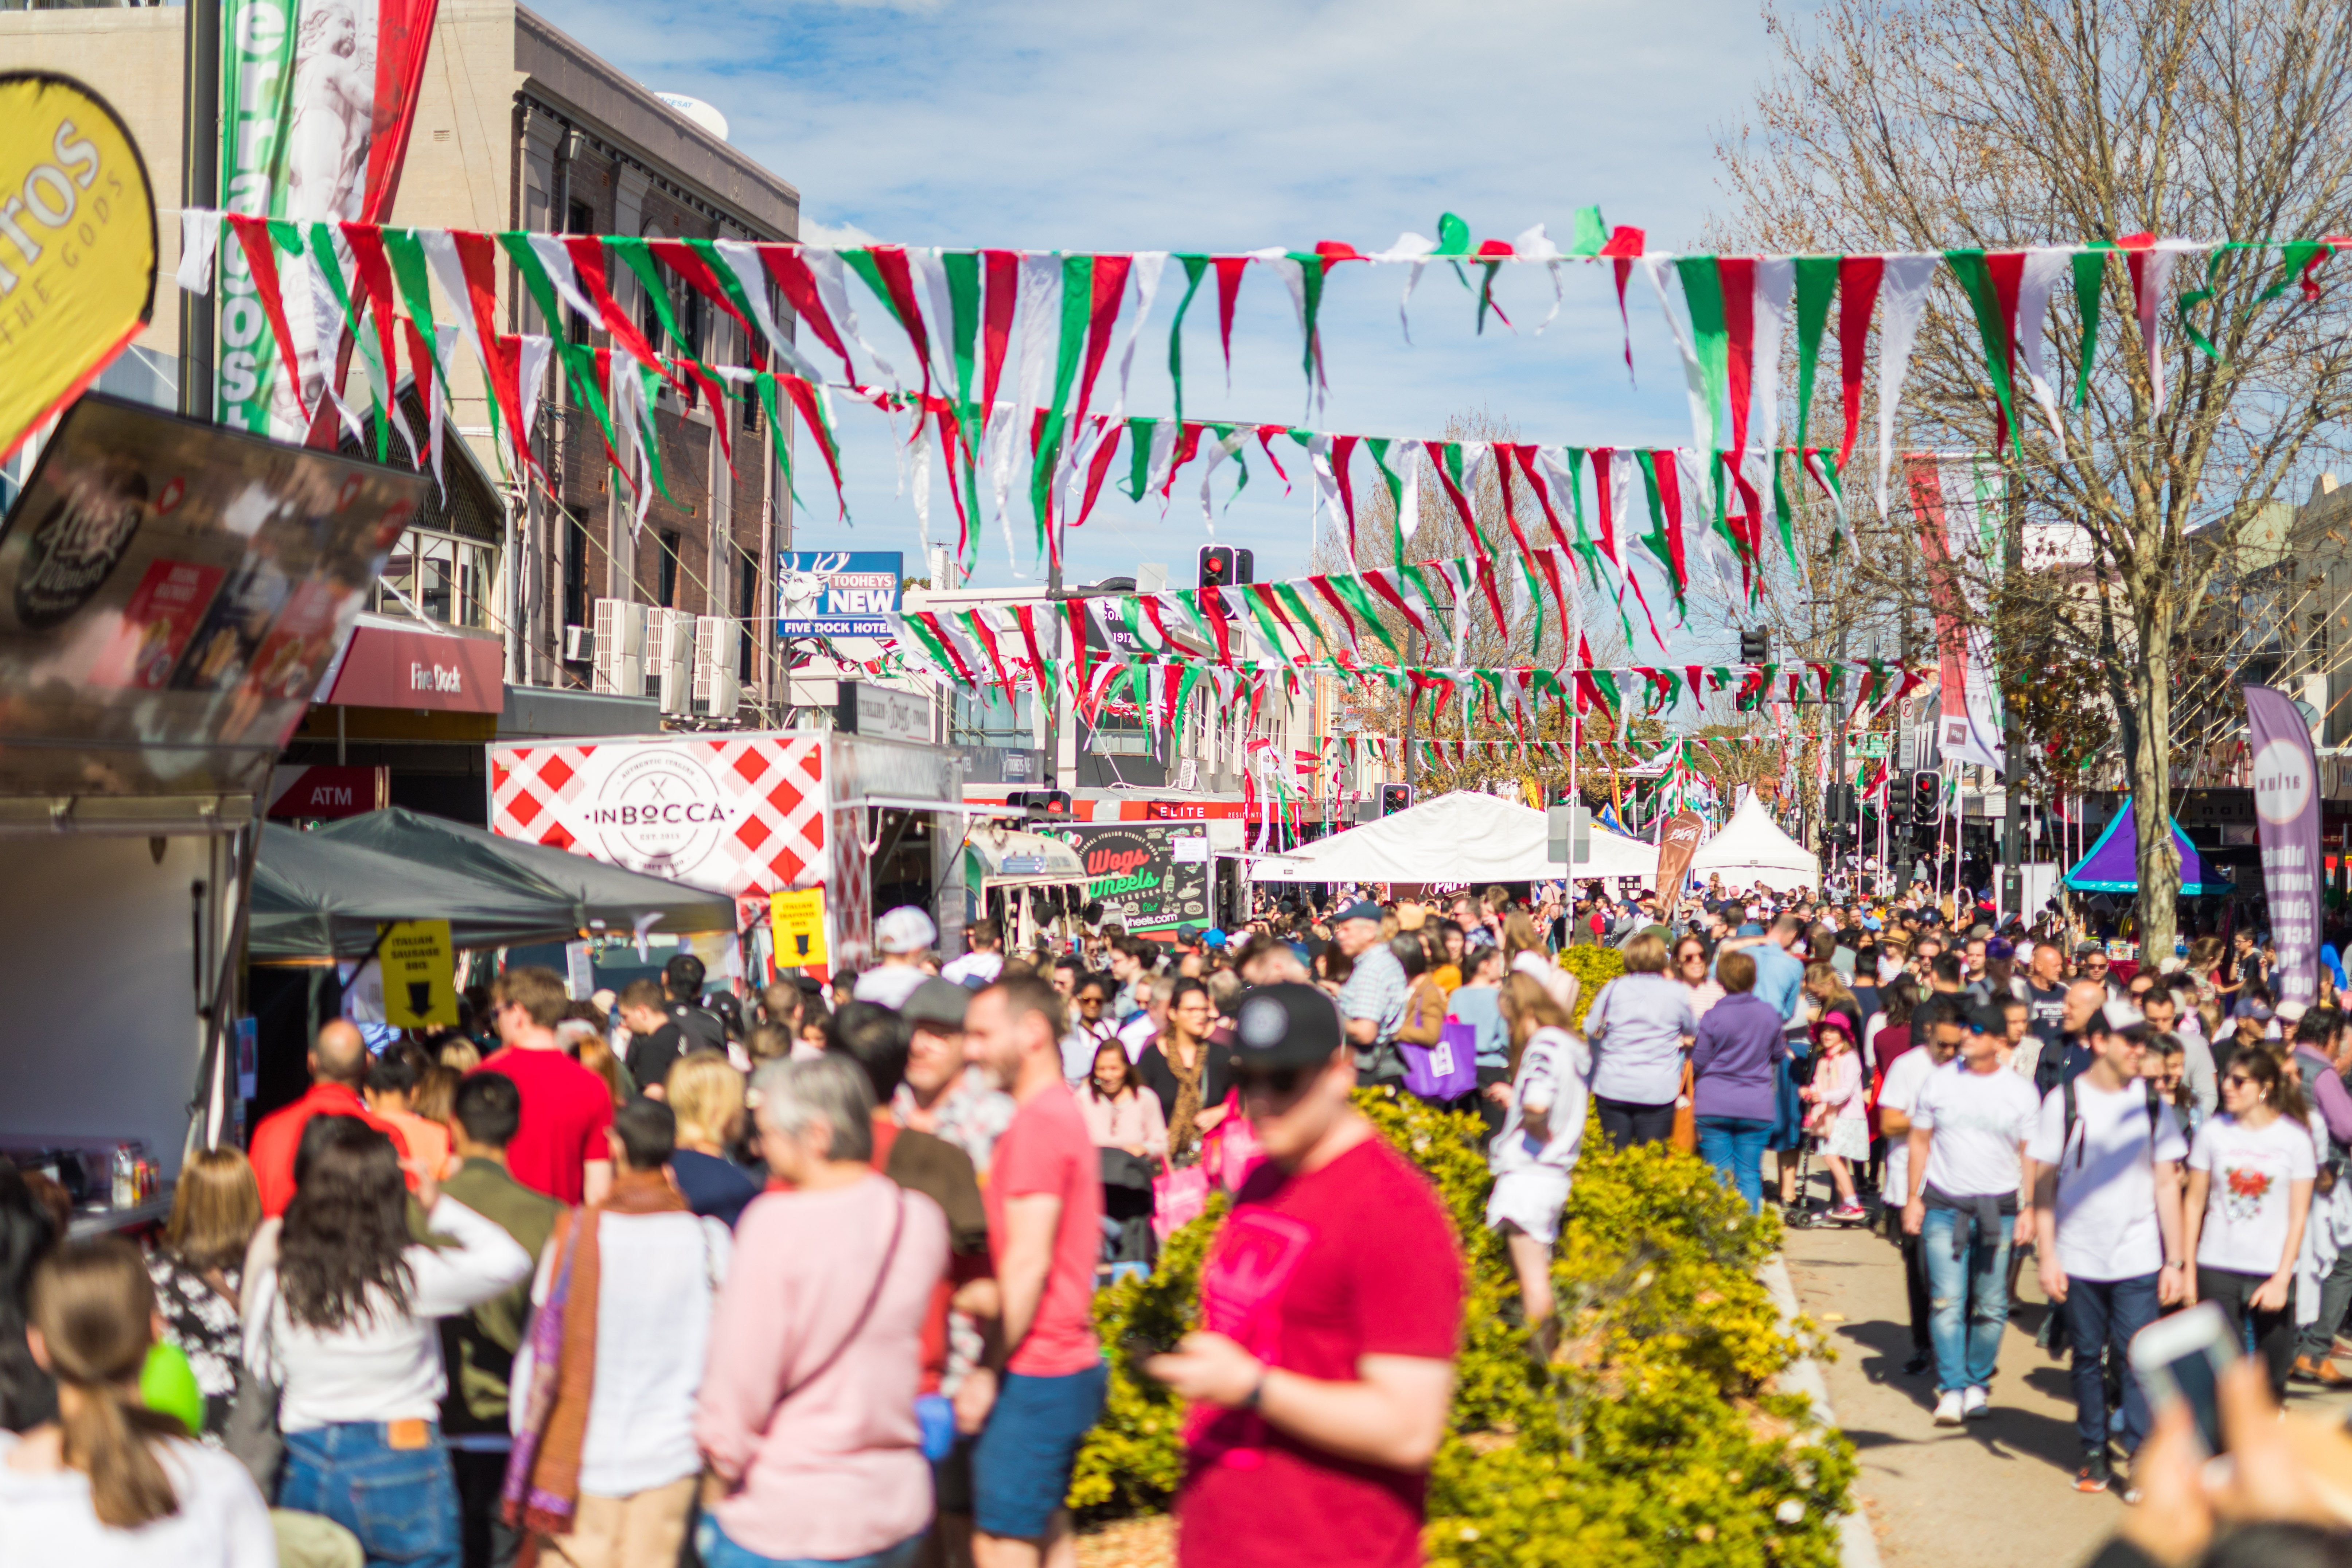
{"points": [[168, 1383]]}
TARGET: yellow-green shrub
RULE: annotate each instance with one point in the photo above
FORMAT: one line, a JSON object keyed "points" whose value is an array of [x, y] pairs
{"points": [[1593, 967], [1650, 1439]]}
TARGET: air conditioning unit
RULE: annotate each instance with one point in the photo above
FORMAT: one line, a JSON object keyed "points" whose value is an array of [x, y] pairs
{"points": [[579, 645], [620, 651], [669, 658], [717, 651]]}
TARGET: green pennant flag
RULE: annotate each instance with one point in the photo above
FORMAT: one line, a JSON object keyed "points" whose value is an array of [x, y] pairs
{"points": [[1077, 309], [1195, 268], [1816, 283], [2090, 275]]}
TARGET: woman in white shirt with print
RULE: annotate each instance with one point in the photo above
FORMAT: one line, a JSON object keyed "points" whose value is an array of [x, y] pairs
{"points": [[339, 1311], [110, 1484], [2250, 1173]]}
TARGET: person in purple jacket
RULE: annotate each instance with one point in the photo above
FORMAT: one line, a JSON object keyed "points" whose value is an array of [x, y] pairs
{"points": [[1740, 1042]]}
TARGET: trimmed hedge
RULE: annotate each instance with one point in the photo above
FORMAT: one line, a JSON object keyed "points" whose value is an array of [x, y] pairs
{"points": [[1650, 1439]]}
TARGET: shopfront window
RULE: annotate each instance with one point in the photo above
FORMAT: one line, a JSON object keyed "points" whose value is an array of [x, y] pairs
{"points": [[443, 577], [983, 718]]}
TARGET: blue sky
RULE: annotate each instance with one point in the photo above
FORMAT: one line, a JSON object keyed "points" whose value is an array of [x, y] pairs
{"points": [[1225, 125]]}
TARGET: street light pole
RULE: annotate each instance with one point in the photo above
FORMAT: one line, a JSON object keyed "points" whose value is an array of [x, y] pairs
{"points": [[199, 188]]}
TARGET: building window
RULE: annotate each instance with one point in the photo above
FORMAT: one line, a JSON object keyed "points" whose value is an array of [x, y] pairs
{"points": [[440, 576], [582, 219], [983, 718], [667, 569], [747, 608], [575, 572]]}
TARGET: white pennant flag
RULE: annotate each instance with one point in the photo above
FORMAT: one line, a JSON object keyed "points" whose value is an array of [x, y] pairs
{"points": [[1902, 299]]}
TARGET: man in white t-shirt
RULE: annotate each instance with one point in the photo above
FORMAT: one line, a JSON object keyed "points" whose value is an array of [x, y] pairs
{"points": [[1938, 1029], [1968, 1130], [2106, 1155]]}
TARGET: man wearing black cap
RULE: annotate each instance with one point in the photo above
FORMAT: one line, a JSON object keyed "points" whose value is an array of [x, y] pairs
{"points": [[1330, 1310], [1372, 1001], [1969, 1132]]}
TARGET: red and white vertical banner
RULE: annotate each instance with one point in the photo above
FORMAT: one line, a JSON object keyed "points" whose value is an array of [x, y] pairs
{"points": [[1954, 502]]}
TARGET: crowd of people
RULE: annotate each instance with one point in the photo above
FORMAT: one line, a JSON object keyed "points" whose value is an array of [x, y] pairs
{"points": [[669, 1275]]}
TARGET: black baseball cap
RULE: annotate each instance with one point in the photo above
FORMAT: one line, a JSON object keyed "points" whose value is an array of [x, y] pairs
{"points": [[1988, 1020], [1287, 1025], [938, 1002]]}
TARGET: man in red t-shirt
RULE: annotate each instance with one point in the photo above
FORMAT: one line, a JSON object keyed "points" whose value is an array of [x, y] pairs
{"points": [[1044, 1226], [339, 1065], [560, 1147], [1331, 1313]]}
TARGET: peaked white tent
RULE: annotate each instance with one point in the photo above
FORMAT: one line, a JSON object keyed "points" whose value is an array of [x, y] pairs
{"points": [[1751, 848], [1465, 837]]}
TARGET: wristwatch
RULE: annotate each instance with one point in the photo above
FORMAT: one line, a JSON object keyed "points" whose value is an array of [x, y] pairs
{"points": [[1258, 1389]]}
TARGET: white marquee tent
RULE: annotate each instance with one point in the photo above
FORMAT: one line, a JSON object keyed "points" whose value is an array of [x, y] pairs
{"points": [[1465, 838], [1752, 849]]}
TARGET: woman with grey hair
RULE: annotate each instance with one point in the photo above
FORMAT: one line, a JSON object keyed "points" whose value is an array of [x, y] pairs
{"points": [[808, 1414]]}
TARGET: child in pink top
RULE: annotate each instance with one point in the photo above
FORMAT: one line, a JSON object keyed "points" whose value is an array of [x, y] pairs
{"points": [[1839, 1121]]}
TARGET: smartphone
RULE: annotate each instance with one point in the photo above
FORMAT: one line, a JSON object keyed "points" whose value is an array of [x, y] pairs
{"points": [[2181, 1357], [1140, 1347]]}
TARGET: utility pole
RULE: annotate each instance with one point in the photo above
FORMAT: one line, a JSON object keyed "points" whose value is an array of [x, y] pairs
{"points": [[1412, 662], [1053, 697], [199, 188], [2013, 828], [1836, 821]]}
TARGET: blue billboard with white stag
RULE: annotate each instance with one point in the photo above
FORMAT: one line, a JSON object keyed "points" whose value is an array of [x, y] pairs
{"points": [[838, 593]]}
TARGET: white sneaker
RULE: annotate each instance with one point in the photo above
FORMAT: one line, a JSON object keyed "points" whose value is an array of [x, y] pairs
{"points": [[1947, 1407], [1975, 1405]]}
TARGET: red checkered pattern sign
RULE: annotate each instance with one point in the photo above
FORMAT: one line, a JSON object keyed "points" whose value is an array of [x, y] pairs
{"points": [[736, 813]]}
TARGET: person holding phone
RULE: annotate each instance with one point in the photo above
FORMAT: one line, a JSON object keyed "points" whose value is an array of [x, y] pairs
{"points": [[2251, 1173], [2108, 1223]]}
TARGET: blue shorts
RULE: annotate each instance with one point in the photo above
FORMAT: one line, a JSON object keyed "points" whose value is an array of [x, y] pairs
{"points": [[1020, 1464]]}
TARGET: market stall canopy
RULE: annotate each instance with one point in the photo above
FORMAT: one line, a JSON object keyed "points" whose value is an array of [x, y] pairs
{"points": [[1753, 848], [1465, 837], [591, 893], [322, 894], [2113, 864]]}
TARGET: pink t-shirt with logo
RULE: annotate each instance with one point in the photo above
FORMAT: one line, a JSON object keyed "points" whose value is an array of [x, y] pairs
{"points": [[1047, 1150]]}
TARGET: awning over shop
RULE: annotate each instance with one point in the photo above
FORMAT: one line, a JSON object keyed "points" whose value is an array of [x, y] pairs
{"points": [[393, 663], [322, 894]]}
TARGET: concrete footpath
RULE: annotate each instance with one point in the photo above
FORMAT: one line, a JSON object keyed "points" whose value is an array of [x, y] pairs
{"points": [[1995, 1493]]}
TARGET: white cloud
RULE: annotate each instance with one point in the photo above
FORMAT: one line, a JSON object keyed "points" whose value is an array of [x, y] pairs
{"points": [[837, 235]]}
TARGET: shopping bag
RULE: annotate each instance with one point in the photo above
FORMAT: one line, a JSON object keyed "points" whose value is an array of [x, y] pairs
{"points": [[1230, 1147], [1178, 1197], [1685, 1132], [1446, 1070]]}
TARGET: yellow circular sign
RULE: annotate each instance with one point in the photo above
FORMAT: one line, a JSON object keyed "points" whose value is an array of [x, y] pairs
{"points": [[76, 245]]}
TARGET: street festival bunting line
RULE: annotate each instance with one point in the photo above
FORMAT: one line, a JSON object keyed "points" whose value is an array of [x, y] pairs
{"points": [[970, 649], [1055, 317]]}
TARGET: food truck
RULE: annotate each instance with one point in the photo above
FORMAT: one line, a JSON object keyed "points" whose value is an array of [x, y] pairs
{"points": [[1031, 884], [171, 594], [874, 823]]}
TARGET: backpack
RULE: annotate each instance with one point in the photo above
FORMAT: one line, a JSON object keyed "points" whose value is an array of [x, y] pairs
{"points": [[2066, 1128], [2331, 1158]]}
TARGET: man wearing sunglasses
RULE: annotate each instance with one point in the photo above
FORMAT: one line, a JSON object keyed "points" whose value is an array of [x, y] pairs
{"points": [[1330, 1311]]}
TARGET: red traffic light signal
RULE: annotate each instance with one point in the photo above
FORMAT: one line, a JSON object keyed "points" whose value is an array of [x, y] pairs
{"points": [[1222, 566]]}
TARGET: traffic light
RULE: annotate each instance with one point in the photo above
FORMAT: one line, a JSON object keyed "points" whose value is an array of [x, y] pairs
{"points": [[1755, 646], [1222, 566], [1898, 798], [1839, 807], [1040, 801], [1395, 798], [1927, 795]]}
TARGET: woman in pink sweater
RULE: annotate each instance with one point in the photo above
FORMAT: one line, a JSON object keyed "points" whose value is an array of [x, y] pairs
{"points": [[807, 1412]]}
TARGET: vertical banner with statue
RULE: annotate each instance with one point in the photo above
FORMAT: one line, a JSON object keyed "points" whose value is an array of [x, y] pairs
{"points": [[2286, 809], [316, 99], [1957, 504]]}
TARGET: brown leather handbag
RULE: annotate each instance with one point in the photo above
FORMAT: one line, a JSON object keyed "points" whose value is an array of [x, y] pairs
{"points": [[1424, 1013], [1686, 1133]]}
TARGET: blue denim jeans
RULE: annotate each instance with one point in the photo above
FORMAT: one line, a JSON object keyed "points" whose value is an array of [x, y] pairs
{"points": [[400, 1502], [1968, 1295], [717, 1551], [2103, 1315], [1734, 1145]]}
